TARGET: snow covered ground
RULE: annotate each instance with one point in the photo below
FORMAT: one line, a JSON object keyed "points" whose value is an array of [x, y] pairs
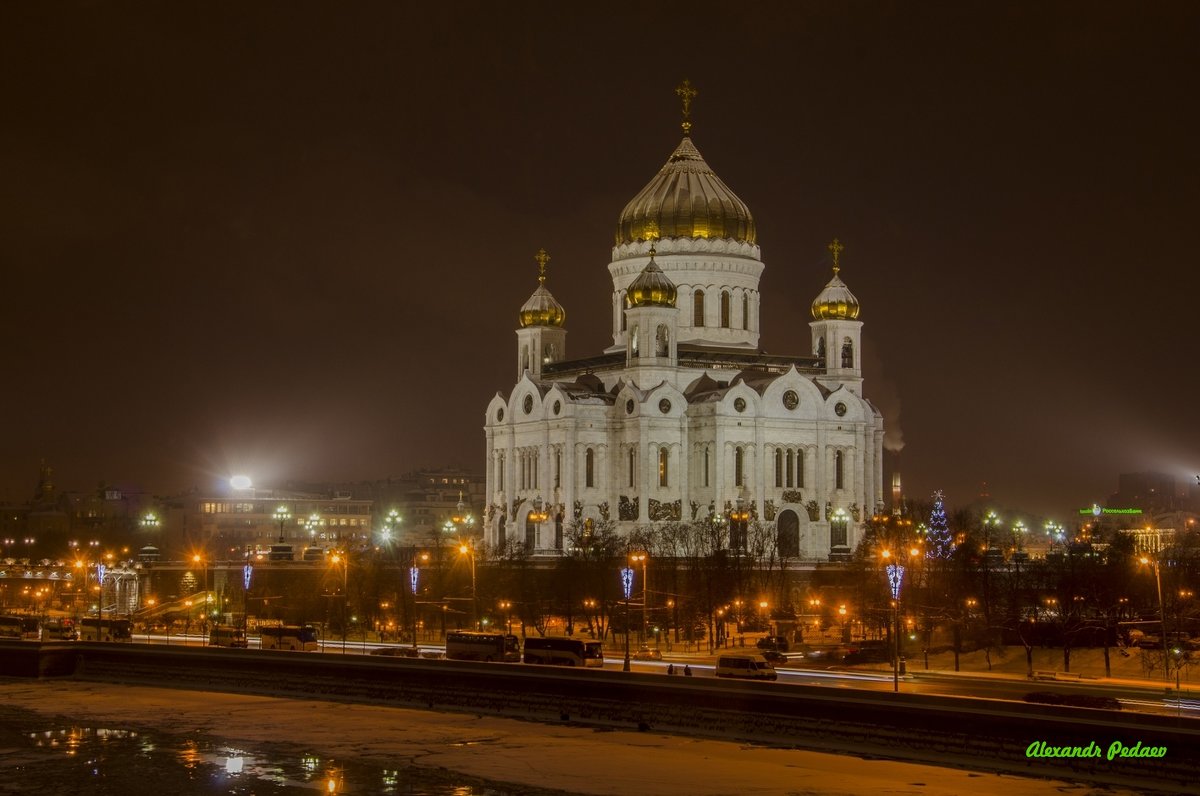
{"points": [[571, 758]]}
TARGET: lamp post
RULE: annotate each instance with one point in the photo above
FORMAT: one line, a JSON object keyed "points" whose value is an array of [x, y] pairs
{"points": [[627, 586], [247, 573], [414, 575], [282, 515], [895, 576], [340, 558], [1162, 615], [468, 549], [643, 559], [200, 560]]}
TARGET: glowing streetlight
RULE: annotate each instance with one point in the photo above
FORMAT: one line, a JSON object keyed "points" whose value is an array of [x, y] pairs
{"points": [[468, 549], [643, 559], [282, 515], [1162, 614], [241, 482]]}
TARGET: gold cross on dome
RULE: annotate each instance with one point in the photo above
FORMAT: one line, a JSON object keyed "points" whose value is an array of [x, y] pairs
{"points": [[836, 248], [687, 94], [542, 258]]}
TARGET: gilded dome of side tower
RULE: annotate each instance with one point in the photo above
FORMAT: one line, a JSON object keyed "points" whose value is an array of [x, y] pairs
{"points": [[652, 288], [542, 309], [686, 199], [835, 302]]}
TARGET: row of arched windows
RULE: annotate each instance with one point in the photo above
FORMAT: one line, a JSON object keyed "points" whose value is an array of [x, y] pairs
{"points": [[789, 468], [724, 319]]}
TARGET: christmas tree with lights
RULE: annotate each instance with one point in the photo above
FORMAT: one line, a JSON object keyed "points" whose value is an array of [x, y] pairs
{"points": [[940, 543]]}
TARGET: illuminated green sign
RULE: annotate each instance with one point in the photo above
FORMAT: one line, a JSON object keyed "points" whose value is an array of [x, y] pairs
{"points": [[1097, 511]]}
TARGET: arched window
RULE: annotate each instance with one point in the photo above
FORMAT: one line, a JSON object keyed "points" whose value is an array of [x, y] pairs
{"points": [[557, 469], [621, 309], [800, 468], [502, 532], [706, 466], [530, 535], [737, 467], [589, 468], [847, 353], [662, 342], [550, 353], [632, 461], [663, 464], [724, 309], [746, 311], [633, 341], [791, 458], [698, 309], [838, 474], [524, 358], [821, 350], [558, 531], [500, 471], [779, 467]]}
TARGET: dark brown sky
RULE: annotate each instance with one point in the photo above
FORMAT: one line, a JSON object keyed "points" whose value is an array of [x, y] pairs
{"points": [[291, 238]]}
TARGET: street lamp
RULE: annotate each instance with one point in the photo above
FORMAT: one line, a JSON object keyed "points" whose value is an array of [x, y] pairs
{"points": [[643, 559], [339, 558], [201, 561], [468, 549], [414, 575], [282, 515], [1162, 615], [627, 587], [895, 575], [506, 607]]}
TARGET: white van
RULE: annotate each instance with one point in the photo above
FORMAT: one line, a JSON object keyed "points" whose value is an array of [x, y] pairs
{"points": [[745, 665]]}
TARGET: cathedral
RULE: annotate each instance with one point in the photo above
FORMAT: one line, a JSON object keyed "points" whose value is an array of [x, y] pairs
{"points": [[683, 418]]}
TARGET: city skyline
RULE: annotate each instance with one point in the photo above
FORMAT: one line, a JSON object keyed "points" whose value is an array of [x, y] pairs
{"points": [[295, 246]]}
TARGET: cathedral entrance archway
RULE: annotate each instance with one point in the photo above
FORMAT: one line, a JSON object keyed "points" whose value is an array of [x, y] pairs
{"points": [[787, 529], [530, 535]]}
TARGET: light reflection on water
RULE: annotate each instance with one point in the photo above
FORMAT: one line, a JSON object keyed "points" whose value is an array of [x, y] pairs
{"points": [[92, 760]]}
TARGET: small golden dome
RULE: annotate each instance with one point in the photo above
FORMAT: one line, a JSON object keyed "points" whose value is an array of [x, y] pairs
{"points": [[541, 309], [651, 288], [835, 302], [685, 200]]}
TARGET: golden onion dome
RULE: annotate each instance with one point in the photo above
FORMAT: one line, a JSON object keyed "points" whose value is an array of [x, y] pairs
{"points": [[651, 288], [541, 309], [686, 200], [835, 302]]}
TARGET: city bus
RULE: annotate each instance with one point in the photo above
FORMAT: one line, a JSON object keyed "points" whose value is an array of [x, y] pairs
{"points": [[468, 645], [288, 637], [24, 627], [93, 628], [561, 651]]}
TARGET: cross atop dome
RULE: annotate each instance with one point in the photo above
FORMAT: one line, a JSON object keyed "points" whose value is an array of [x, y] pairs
{"points": [[836, 248], [542, 258], [687, 94]]}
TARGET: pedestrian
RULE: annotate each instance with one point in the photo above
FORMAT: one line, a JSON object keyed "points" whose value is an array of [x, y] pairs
{"points": [[671, 669], [687, 670]]}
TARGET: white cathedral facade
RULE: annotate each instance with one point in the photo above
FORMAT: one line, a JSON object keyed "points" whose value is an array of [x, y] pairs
{"points": [[682, 418]]}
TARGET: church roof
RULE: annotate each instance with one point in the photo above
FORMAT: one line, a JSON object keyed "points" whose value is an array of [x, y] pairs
{"points": [[686, 199]]}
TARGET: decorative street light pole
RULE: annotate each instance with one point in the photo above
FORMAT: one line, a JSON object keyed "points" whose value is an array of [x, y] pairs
{"points": [[282, 515], [895, 575], [468, 549], [627, 585], [414, 574], [1162, 615], [641, 558], [247, 572]]}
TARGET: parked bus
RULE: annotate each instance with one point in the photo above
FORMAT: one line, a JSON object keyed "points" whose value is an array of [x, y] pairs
{"points": [[467, 645], [24, 627], [93, 628], [58, 630], [561, 651], [288, 637], [226, 636]]}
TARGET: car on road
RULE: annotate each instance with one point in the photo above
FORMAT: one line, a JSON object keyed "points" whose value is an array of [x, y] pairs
{"points": [[775, 657], [868, 652], [745, 666], [645, 653], [777, 643]]}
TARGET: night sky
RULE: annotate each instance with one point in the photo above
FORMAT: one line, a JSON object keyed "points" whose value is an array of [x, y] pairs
{"points": [[291, 239]]}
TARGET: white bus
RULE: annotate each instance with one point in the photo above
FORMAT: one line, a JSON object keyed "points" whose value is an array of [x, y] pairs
{"points": [[288, 637], [468, 645], [23, 627], [562, 651], [92, 628]]}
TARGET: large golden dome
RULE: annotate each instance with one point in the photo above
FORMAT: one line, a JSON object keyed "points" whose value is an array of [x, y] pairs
{"points": [[541, 309], [686, 200], [651, 288]]}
